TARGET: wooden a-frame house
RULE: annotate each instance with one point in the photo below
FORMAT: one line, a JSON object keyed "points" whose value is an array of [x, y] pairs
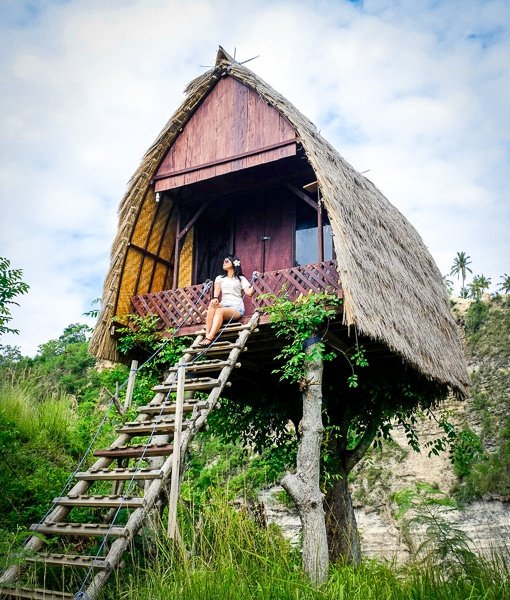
{"points": [[238, 169]]}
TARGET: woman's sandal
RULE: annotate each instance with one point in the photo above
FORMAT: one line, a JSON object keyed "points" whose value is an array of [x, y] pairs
{"points": [[206, 342]]}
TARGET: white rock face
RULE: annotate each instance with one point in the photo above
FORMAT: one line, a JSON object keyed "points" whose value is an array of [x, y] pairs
{"points": [[397, 467]]}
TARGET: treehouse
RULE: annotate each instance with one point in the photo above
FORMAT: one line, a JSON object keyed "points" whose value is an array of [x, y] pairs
{"points": [[239, 170]]}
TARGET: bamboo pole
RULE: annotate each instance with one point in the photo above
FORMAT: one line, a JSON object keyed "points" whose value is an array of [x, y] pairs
{"points": [[130, 384], [176, 458]]}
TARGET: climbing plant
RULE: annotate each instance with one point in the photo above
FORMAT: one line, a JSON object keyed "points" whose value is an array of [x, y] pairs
{"points": [[303, 321]]}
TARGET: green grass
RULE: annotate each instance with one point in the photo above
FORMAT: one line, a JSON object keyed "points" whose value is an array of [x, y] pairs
{"points": [[227, 556]]}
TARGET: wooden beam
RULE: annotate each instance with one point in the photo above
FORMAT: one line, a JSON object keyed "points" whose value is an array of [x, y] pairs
{"points": [[221, 161], [150, 254], [192, 221], [303, 196]]}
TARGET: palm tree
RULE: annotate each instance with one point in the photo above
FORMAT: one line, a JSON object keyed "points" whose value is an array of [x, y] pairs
{"points": [[448, 284], [459, 268], [478, 286], [505, 285]]}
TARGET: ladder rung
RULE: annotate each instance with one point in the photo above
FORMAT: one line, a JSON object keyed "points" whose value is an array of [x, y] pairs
{"points": [[167, 408], [215, 347], [34, 594], [149, 427], [198, 383], [229, 329], [83, 529], [100, 501], [207, 365], [136, 451], [119, 474], [71, 560]]}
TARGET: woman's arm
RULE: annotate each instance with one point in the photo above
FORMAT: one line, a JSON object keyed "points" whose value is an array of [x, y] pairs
{"points": [[217, 292], [247, 288]]}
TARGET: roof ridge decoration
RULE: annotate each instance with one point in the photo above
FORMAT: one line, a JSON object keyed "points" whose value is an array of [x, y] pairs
{"points": [[393, 290]]}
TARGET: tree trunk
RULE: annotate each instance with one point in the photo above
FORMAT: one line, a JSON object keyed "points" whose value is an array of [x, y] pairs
{"points": [[304, 486], [343, 536]]}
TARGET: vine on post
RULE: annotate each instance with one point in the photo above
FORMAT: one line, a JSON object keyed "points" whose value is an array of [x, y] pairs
{"points": [[298, 321]]}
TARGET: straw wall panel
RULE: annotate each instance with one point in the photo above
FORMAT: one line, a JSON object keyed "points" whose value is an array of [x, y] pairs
{"points": [[144, 221], [166, 250], [128, 282], [145, 277], [159, 224], [186, 261], [160, 278]]}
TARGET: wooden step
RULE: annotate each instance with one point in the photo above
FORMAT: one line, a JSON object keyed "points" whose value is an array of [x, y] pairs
{"points": [[230, 328], [214, 348], [150, 427], [136, 451], [34, 594], [71, 560], [196, 383], [168, 408], [82, 529], [119, 474], [113, 501], [207, 365]]}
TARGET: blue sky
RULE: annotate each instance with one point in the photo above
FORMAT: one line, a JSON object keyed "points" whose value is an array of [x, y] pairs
{"points": [[416, 93]]}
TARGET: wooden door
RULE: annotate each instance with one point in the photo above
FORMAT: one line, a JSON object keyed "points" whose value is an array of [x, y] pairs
{"points": [[264, 234]]}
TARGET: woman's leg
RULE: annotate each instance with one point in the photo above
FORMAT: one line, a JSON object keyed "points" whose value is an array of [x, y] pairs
{"points": [[221, 314], [209, 319]]}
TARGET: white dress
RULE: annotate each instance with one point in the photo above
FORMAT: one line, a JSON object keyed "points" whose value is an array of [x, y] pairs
{"points": [[231, 289]]}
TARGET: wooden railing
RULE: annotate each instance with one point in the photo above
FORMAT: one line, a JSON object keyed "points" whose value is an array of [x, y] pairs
{"points": [[186, 307]]}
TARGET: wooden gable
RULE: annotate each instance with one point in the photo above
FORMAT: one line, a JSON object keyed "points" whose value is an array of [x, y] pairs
{"points": [[232, 129]]}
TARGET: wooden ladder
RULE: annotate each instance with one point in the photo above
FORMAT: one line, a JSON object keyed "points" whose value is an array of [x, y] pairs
{"points": [[157, 418]]}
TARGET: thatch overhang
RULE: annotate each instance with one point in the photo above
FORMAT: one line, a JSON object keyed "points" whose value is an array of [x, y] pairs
{"points": [[393, 290]]}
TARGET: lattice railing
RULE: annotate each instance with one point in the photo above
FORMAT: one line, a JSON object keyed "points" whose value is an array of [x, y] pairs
{"points": [[297, 281], [187, 306]]}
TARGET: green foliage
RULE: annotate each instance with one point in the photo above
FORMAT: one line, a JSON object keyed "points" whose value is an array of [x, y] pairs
{"points": [[297, 321], [11, 286], [214, 463], [466, 450], [488, 472], [37, 437], [256, 425], [491, 473], [425, 509], [459, 268], [448, 285], [504, 286], [143, 334], [476, 316], [65, 363], [478, 286]]}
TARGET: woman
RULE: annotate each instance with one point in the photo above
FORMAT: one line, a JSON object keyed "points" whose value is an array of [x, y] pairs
{"points": [[229, 287]]}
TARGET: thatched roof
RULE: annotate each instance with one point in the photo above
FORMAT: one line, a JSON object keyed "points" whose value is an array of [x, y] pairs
{"points": [[393, 290]]}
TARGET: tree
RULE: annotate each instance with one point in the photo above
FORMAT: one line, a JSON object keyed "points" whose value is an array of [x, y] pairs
{"points": [[11, 285], [459, 268], [358, 409], [505, 284], [478, 286], [448, 284]]}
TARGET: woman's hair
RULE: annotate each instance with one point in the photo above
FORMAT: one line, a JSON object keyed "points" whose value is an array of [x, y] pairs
{"points": [[236, 263]]}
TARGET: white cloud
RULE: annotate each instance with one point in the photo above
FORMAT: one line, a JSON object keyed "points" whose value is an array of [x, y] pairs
{"points": [[415, 91]]}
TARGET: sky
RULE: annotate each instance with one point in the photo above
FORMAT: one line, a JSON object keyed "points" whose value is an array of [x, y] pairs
{"points": [[414, 93]]}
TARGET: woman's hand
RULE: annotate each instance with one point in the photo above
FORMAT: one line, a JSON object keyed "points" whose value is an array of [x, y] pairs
{"points": [[214, 302]]}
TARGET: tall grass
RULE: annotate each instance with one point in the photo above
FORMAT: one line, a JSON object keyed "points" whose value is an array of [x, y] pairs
{"points": [[49, 417], [225, 555]]}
